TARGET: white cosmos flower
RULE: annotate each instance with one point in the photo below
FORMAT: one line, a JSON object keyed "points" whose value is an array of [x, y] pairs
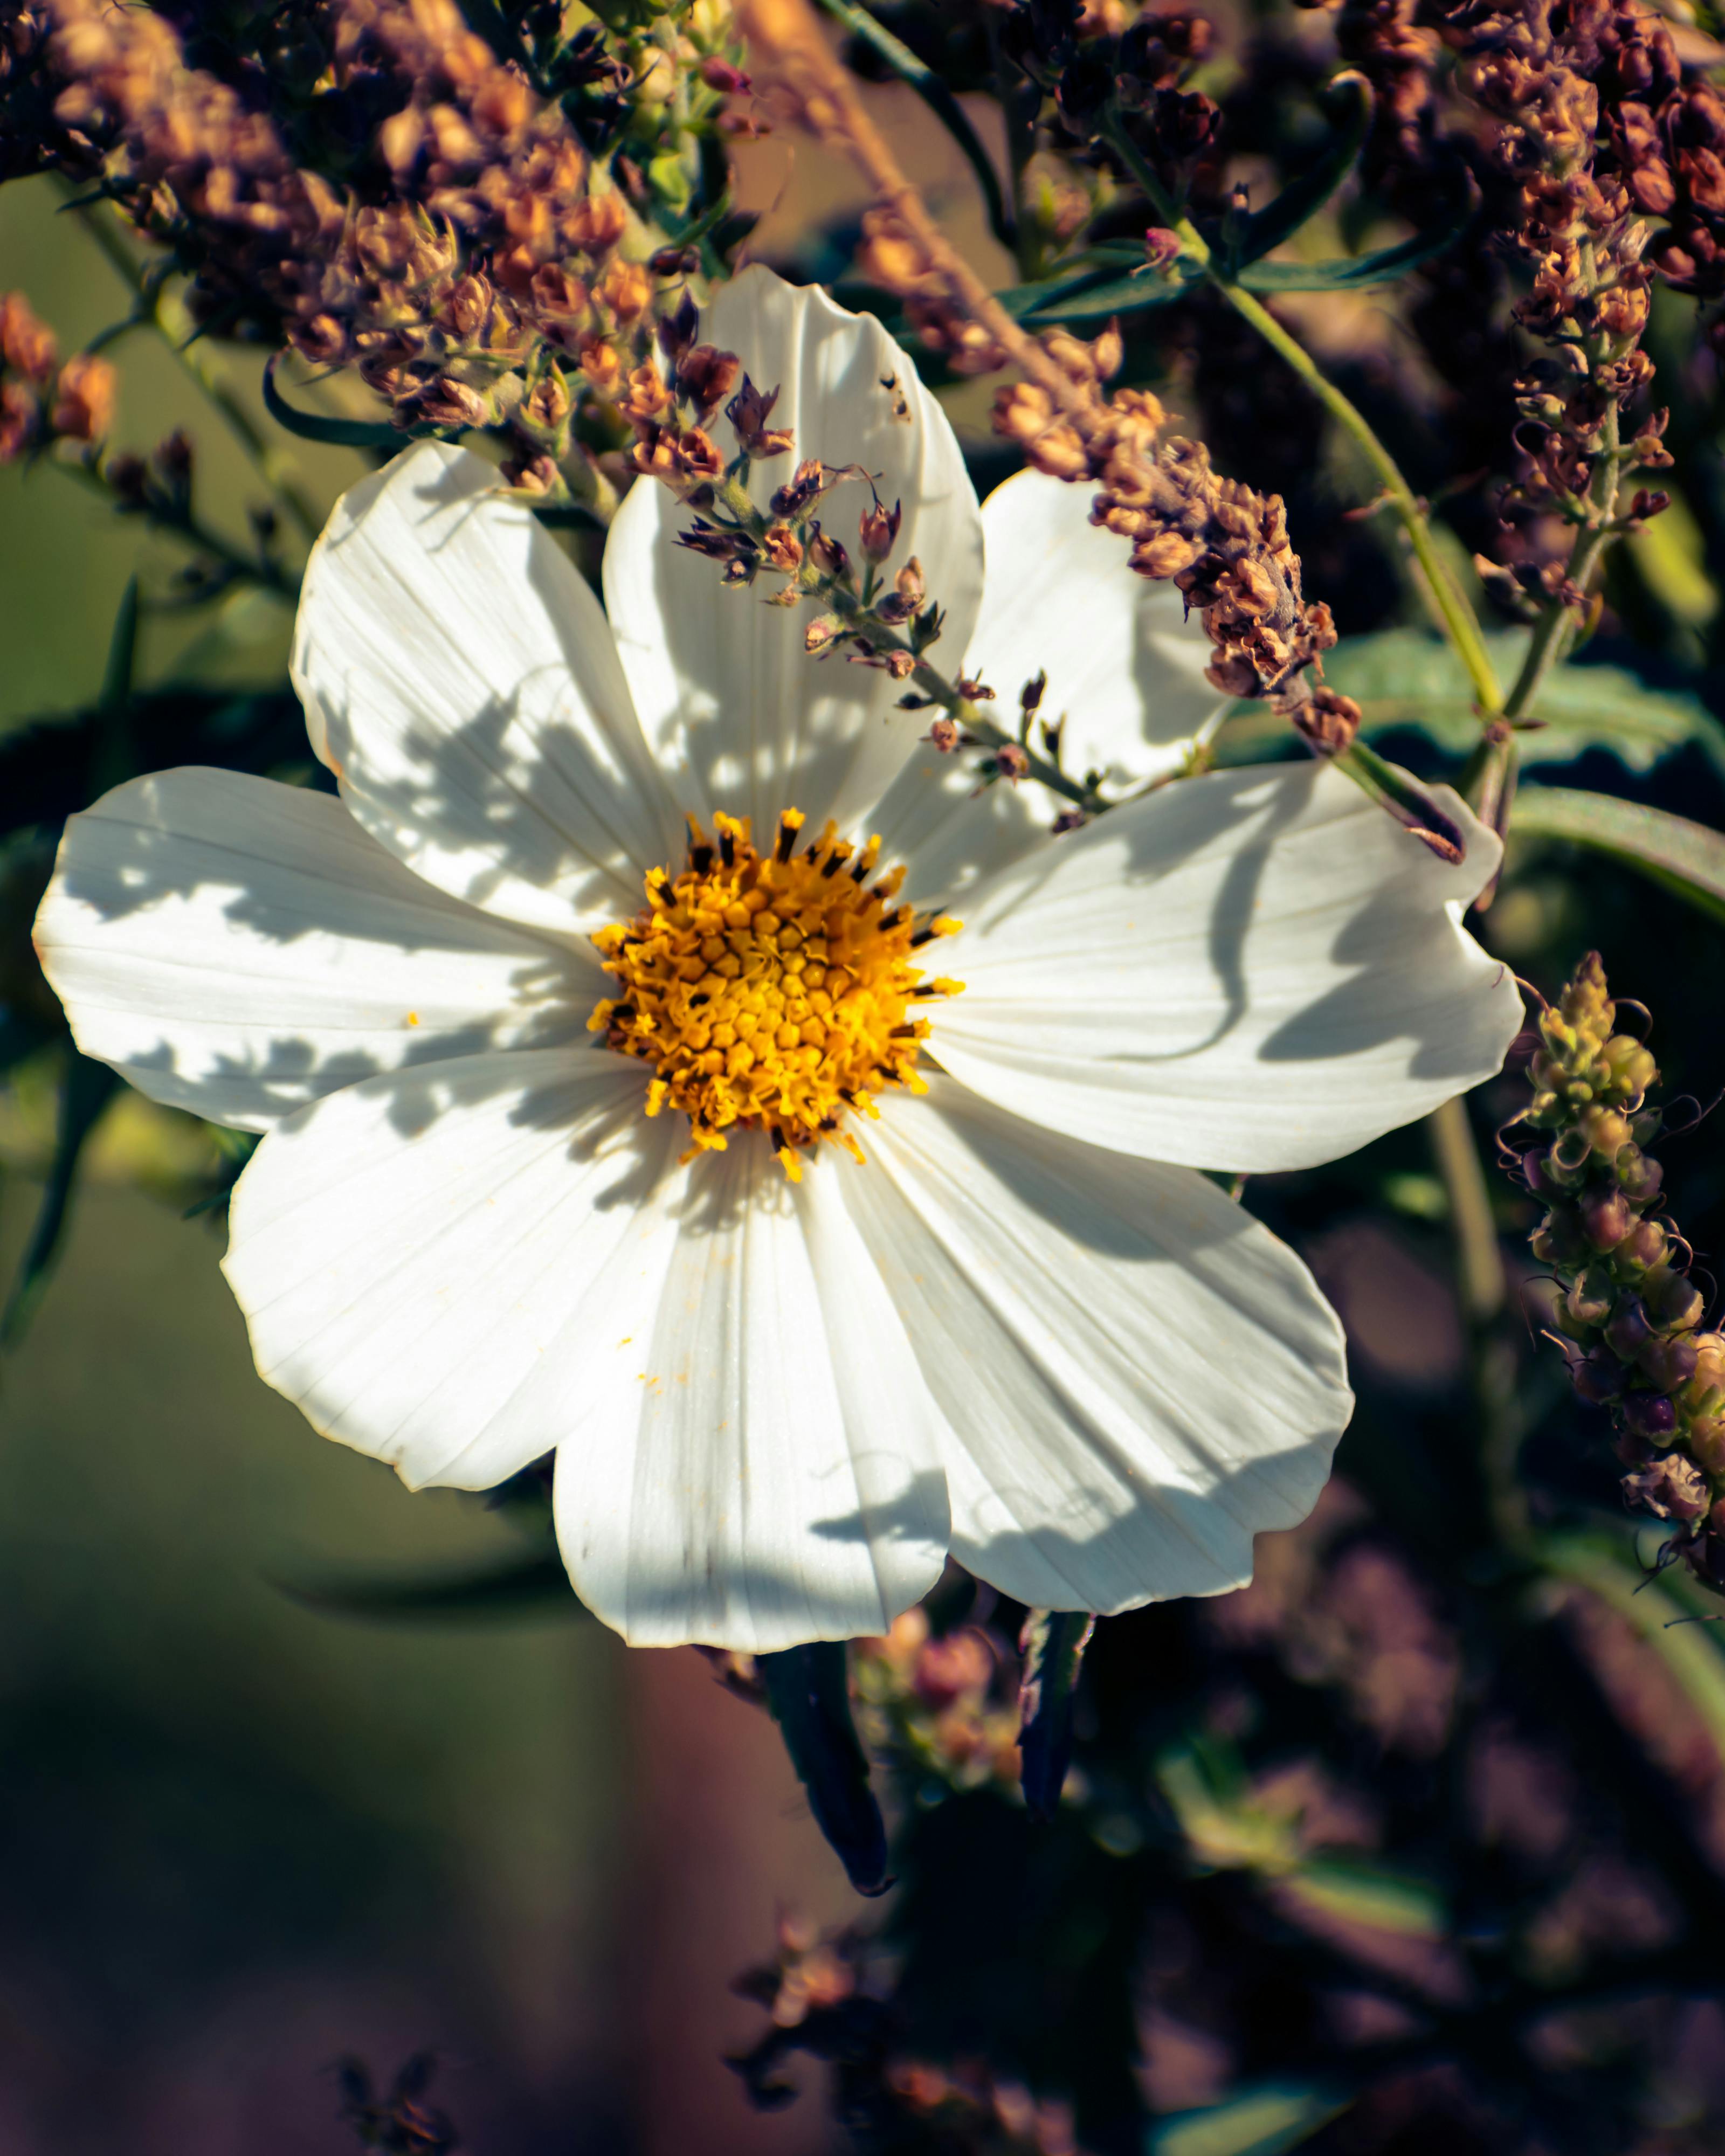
{"points": [[1024, 1328]]}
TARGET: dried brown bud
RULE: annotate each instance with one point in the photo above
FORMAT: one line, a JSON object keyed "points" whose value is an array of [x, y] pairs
{"points": [[783, 548], [1328, 721], [802, 490], [879, 527], [27, 344], [706, 376], [83, 409]]}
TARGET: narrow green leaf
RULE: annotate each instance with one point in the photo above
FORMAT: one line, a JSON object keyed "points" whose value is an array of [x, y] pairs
{"points": [[1687, 859], [112, 762], [86, 1090], [940, 100], [1405, 678], [1302, 199], [315, 427], [1079, 300], [1654, 1610], [1053, 1644], [562, 516], [1409, 799], [531, 1586], [1367, 1894], [1350, 272], [1263, 2122], [808, 1691]]}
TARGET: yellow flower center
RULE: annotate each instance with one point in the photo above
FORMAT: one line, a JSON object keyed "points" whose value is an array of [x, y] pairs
{"points": [[771, 992]]}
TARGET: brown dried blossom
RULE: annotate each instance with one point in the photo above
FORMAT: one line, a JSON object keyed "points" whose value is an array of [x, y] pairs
{"points": [[1218, 542], [41, 400], [469, 235]]}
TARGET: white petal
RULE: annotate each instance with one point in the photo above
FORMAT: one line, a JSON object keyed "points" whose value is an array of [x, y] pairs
{"points": [[1125, 664], [950, 832], [1253, 970], [762, 1464], [427, 1262], [721, 679], [1139, 1377], [461, 682], [239, 948]]}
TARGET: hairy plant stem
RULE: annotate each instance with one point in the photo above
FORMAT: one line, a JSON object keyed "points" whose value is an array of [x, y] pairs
{"points": [[157, 309], [1448, 603]]}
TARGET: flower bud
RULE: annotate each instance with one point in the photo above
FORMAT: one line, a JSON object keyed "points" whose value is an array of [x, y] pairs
{"points": [[1639, 1175], [1676, 1302], [1650, 1415], [1628, 1331], [1598, 1376], [1643, 1247], [879, 531], [1591, 1296], [1670, 1363], [1605, 1218]]}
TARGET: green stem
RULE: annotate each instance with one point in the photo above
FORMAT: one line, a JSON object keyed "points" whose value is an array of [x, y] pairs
{"points": [[940, 100], [187, 526], [1552, 631], [165, 313], [1454, 615]]}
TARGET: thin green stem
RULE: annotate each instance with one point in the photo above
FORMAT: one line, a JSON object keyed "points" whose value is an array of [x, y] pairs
{"points": [[1551, 632], [939, 100], [1009, 89], [1453, 614], [187, 525], [164, 312], [1483, 1287]]}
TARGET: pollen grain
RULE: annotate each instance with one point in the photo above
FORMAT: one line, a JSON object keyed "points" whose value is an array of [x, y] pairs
{"points": [[771, 991]]}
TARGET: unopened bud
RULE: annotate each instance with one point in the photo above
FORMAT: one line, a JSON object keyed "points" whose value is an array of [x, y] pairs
{"points": [[879, 531], [1605, 1218], [822, 633]]}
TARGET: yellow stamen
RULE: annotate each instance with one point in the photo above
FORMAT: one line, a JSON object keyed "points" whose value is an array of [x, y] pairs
{"points": [[770, 992]]}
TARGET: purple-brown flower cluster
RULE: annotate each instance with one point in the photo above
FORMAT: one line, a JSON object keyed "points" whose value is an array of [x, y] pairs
{"points": [[1631, 1316], [42, 399], [408, 204]]}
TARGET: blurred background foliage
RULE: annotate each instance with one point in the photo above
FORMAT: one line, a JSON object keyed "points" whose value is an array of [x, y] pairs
{"points": [[1417, 1843]]}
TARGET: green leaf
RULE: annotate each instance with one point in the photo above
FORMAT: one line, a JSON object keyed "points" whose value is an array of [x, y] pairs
{"points": [[1350, 272], [1301, 199], [1687, 859], [808, 1691], [1405, 678], [1654, 1610], [1054, 1641], [1409, 799], [1368, 1895], [315, 427], [1080, 299], [532, 1587], [85, 1091], [1263, 2122]]}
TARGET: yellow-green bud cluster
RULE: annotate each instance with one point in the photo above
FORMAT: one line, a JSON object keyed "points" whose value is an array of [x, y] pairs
{"points": [[1630, 1315]]}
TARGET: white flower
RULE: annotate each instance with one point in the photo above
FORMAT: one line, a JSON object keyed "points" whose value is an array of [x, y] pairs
{"points": [[1025, 1329]]}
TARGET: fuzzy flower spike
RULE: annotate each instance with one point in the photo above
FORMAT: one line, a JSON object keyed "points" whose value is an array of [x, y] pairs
{"points": [[668, 1060]]}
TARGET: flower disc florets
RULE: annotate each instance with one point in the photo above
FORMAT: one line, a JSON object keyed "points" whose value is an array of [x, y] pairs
{"points": [[770, 991]]}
